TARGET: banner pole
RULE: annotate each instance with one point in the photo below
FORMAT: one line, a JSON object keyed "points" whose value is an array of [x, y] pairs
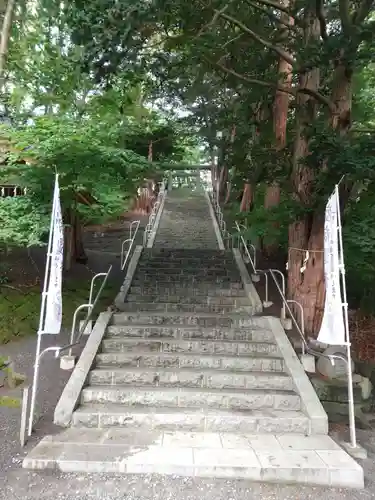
{"points": [[353, 438], [41, 317]]}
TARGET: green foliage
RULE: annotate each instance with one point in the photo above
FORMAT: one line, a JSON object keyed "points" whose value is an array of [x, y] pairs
{"points": [[19, 308], [22, 222]]}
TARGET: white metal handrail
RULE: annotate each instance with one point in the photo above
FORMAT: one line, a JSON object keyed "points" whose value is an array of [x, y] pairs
{"points": [[227, 236], [152, 218], [306, 349], [134, 226], [90, 306]]}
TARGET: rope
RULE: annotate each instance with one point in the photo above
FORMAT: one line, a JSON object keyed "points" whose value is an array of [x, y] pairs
{"points": [[305, 250], [305, 260]]}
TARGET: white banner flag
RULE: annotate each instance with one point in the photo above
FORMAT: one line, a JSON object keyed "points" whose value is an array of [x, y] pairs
{"points": [[53, 317], [332, 330]]}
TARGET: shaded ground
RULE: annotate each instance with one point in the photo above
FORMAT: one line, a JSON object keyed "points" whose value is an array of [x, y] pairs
{"points": [[22, 274]]}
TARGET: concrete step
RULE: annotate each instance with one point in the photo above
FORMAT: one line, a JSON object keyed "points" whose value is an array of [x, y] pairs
{"points": [[178, 318], [219, 271], [190, 377], [186, 291], [250, 334], [275, 458], [236, 399], [234, 363], [211, 278], [195, 299], [208, 346], [93, 415], [179, 307], [200, 253], [189, 262], [186, 282]]}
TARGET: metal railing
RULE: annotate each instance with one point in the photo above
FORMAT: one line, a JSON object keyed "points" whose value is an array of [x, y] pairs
{"points": [[306, 349], [134, 226], [154, 212], [90, 306], [226, 235]]}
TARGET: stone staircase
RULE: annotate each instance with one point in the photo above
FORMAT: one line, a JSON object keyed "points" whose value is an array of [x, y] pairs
{"points": [[186, 350], [188, 378]]}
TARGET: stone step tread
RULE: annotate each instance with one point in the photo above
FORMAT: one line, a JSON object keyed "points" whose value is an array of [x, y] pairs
{"points": [[187, 292], [128, 340], [105, 408], [295, 458], [202, 299], [255, 355], [197, 328], [192, 390], [231, 315], [193, 371]]}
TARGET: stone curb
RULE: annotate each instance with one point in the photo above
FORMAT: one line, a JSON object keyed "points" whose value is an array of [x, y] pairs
{"points": [[121, 296], [151, 240], [214, 222], [311, 405], [72, 391], [250, 290]]}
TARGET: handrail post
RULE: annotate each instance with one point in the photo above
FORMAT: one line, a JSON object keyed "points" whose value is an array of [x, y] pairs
{"points": [[72, 332], [283, 288], [290, 301]]}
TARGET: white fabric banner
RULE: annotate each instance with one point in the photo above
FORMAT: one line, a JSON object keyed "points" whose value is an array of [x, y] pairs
{"points": [[53, 317], [332, 330]]}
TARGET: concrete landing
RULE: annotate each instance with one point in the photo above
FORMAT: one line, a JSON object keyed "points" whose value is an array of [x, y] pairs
{"points": [[291, 458]]}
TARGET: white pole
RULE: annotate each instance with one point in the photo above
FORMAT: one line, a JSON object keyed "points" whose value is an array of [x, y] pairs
{"points": [[353, 438], [41, 318]]}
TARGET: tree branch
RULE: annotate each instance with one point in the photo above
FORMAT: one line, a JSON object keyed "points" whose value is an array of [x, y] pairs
{"points": [[322, 21], [275, 5], [281, 88], [363, 10], [344, 11], [273, 16], [282, 53]]}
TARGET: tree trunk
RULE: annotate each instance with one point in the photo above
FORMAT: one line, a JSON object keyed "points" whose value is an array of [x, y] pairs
{"points": [[280, 117], [74, 249], [4, 40], [307, 232], [222, 181], [247, 198]]}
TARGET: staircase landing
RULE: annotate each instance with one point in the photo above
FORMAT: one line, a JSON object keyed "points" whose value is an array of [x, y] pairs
{"points": [[291, 458]]}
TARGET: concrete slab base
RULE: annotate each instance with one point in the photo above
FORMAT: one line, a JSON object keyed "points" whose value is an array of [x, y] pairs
{"points": [[287, 323], [308, 363], [288, 458], [357, 452], [67, 362], [88, 328]]}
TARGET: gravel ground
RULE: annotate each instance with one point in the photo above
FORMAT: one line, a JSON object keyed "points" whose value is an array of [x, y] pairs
{"points": [[22, 484]]}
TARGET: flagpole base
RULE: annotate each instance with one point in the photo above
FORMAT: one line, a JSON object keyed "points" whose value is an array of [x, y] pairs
{"points": [[287, 323], [308, 363], [356, 451], [267, 303], [67, 362]]}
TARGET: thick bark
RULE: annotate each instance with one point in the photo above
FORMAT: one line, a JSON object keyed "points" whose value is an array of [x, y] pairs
{"points": [[4, 40], [74, 249], [307, 232], [223, 181], [309, 288], [247, 198], [280, 116]]}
